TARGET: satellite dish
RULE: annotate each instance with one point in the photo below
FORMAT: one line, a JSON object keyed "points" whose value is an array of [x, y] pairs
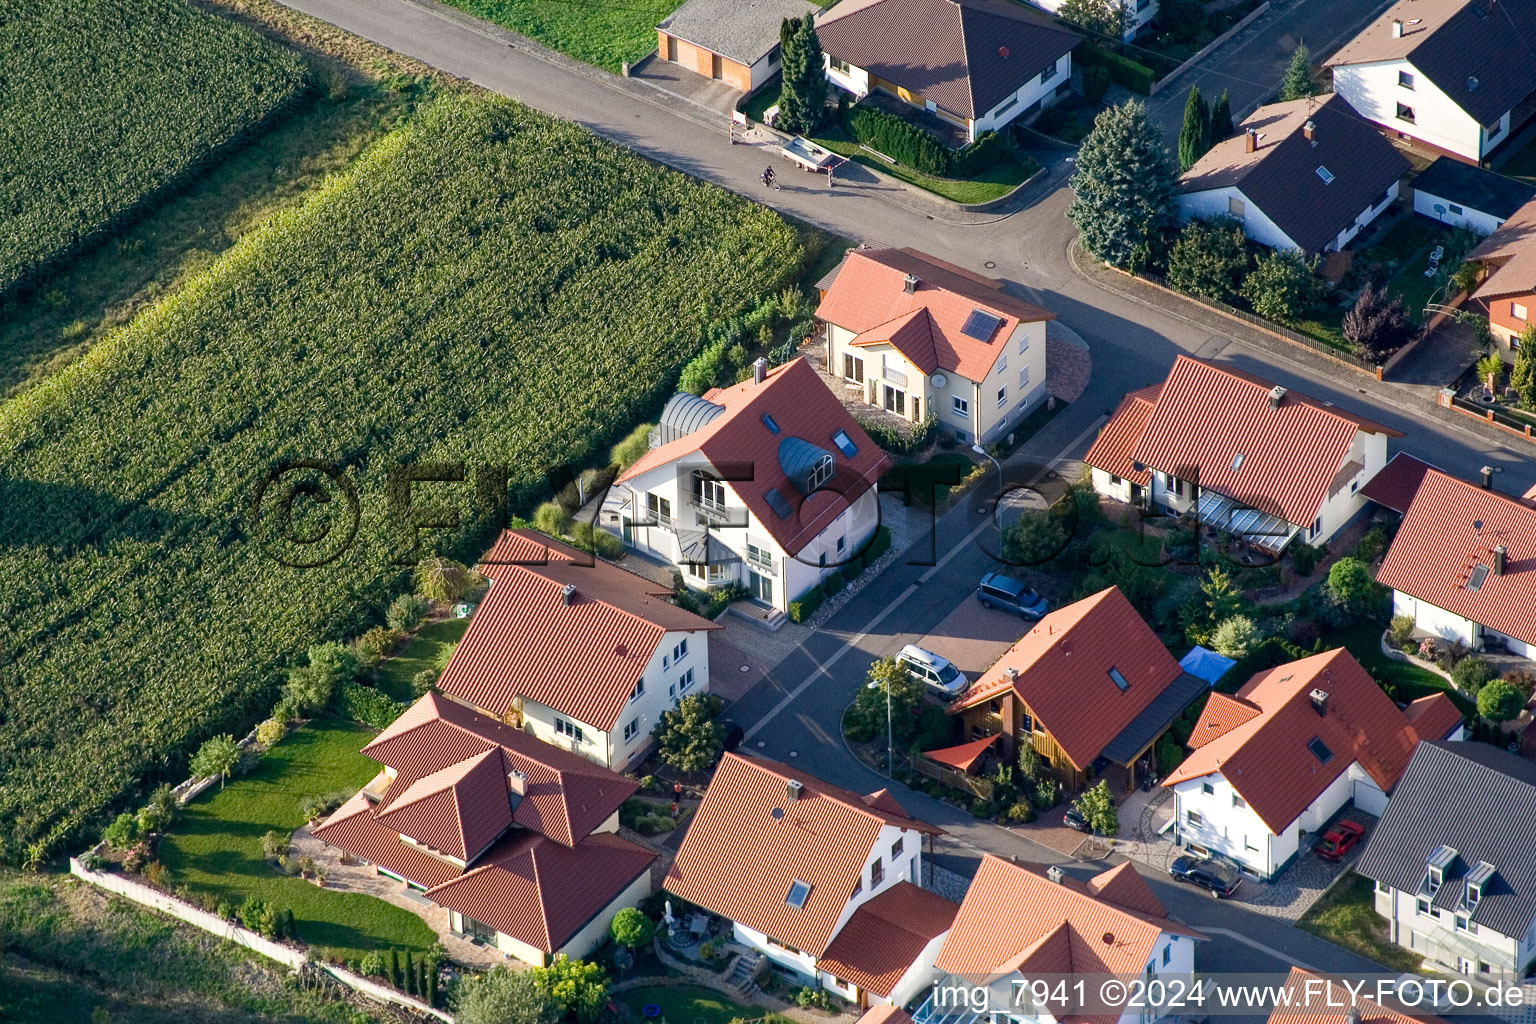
{"points": [[939, 380]]}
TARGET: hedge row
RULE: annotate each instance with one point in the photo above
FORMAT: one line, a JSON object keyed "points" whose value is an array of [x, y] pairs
{"points": [[367, 705], [906, 143], [1136, 77]]}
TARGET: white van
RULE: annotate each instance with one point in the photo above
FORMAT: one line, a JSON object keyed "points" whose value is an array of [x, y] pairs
{"points": [[934, 672]]}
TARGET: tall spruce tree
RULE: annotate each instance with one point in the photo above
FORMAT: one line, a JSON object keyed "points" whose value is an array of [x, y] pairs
{"points": [[1195, 136], [1124, 187], [803, 92], [1298, 83], [1221, 119]]}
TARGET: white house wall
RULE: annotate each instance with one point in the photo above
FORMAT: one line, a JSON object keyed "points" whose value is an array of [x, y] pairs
{"points": [[1237, 832], [1217, 202], [918, 977], [595, 932], [855, 80], [1373, 90], [1135, 20], [1454, 214], [1435, 937], [1031, 92], [1450, 626], [1364, 218], [1106, 485]]}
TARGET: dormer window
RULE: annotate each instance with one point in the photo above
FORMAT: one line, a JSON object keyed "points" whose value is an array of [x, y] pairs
{"points": [[821, 472], [1478, 879], [798, 893], [1435, 865]]}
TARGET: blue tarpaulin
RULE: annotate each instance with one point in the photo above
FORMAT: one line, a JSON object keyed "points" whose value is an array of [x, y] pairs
{"points": [[1206, 664]]}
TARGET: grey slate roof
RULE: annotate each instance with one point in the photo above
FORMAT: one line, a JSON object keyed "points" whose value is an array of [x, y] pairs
{"points": [[1481, 802], [1474, 188], [1154, 718], [743, 30]]}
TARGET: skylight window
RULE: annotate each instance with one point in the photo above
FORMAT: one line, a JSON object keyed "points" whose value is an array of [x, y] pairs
{"points": [[776, 502], [1319, 750], [1325, 174], [981, 325], [1478, 577], [798, 893], [1237, 462], [1119, 679], [770, 423], [845, 443]]}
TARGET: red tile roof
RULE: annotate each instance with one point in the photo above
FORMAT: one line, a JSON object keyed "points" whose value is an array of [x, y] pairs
{"points": [[884, 1013], [1015, 918], [965, 55], [1397, 483], [1266, 757], [1438, 547], [1063, 666], [823, 838], [869, 298], [1112, 449], [541, 892], [1222, 714], [1315, 999], [738, 443], [567, 795], [1207, 415], [963, 756], [886, 935], [459, 810], [581, 659], [353, 829]]}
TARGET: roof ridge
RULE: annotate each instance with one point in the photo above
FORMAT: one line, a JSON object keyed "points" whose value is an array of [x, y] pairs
{"points": [[965, 48]]}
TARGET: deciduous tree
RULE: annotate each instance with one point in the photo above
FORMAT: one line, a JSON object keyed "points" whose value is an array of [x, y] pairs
{"points": [[1097, 807], [631, 929], [1499, 701], [501, 996], [1104, 17], [217, 756], [688, 738], [1282, 286], [1377, 325], [1209, 259]]}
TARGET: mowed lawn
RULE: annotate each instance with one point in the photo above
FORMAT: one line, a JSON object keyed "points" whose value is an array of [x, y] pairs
{"points": [[1346, 916], [430, 648], [599, 33], [216, 846], [687, 1005]]}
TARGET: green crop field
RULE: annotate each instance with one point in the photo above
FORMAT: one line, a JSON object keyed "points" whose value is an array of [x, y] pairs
{"points": [[486, 284], [104, 103]]}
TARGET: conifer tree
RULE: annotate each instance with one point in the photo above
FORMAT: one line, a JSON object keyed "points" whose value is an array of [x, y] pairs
{"points": [[803, 92], [1195, 136], [1124, 187], [1298, 83], [1221, 119]]}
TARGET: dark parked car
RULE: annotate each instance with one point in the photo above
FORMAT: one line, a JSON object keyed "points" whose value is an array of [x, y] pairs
{"points": [[1074, 819], [734, 734], [1011, 595], [1340, 838], [1219, 877]]}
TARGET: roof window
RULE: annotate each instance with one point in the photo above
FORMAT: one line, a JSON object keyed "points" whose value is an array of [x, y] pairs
{"points": [[1320, 750], [1119, 679], [798, 893], [845, 444], [981, 325], [770, 423], [1237, 462], [1325, 174], [1478, 577], [776, 502]]}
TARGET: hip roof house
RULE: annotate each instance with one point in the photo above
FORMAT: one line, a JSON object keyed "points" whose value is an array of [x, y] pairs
{"points": [[830, 884], [576, 651], [1285, 754], [977, 64], [1090, 687], [1455, 76], [1247, 456], [515, 837], [1306, 174]]}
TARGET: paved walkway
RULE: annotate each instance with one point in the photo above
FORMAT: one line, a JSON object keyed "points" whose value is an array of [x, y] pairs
{"points": [[686, 85]]}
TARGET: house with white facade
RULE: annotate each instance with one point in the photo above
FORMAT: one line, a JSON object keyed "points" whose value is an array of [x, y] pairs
{"points": [[1452, 860], [1453, 76], [1306, 174], [576, 651], [1022, 922], [1297, 743], [1463, 565], [976, 64], [1259, 461], [1138, 14], [1462, 195], [919, 337], [516, 838], [822, 881], [769, 484]]}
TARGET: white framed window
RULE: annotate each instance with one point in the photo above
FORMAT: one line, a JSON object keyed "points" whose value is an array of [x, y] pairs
{"points": [[685, 681], [896, 847], [1023, 342], [1236, 208], [1453, 208], [1002, 396], [1238, 801], [1317, 526], [821, 472], [838, 64], [660, 509], [1167, 954], [1194, 817], [961, 407], [1207, 789], [1249, 844], [680, 650], [568, 729], [1405, 79], [1383, 887], [1517, 310], [842, 542], [631, 730], [1024, 378], [1424, 907], [1002, 362], [1405, 113], [853, 368], [638, 691]]}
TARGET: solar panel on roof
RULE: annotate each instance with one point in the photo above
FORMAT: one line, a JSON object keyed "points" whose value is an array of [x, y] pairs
{"points": [[777, 503], [981, 325]]}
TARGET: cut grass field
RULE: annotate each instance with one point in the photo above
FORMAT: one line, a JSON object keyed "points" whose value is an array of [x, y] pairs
{"points": [[686, 1004], [113, 101], [105, 285], [430, 648], [602, 34], [216, 846], [1346, 916]]}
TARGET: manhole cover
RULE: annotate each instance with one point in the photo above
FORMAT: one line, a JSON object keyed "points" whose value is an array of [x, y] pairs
{"points": [[761, 744], [745, 668], [794, 753], [989, 264]]}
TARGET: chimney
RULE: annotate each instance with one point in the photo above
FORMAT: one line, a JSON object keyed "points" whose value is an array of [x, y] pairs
{"points": [[909, 285], [1012, 673], [1319, 701], [1352, 1016], [1250, 141], [1309, 131], [568, 594], [792, 790], [517, 782], [1500, 557], [1487, 478], [1055, 874], [759, 370], [1397, 28], [1276, 396]]}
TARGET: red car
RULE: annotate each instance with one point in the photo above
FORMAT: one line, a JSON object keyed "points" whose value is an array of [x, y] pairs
{"points": [[1340, 838]]}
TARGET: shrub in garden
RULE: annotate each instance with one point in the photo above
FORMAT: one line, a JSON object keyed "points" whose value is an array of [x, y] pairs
{"points": [[406, 612], [271, 732], [552, 518], [688, 738], [1209, 259], [423, 681], [806, 605], [631, 929], [1472, 674], [1377, 325], [256, 915], [636, 443], [216, 757], [1101, 17], [367, 705], [1095, 84], [1499, 701], [1035, 539], [899, 139], [834, 583], [1047, 792], [161, 811], [321, 805], [274, 844], [1523, 680], [1235, 637], [1401, 629], [310, 687], [122, 832], [1352, 588], [1304, 557], [1282, 286], [372, 964], [978, 156], [443, 579]]}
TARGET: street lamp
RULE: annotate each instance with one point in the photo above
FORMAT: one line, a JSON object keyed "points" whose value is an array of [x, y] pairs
{"points": [[890, 743], [979, 450]]}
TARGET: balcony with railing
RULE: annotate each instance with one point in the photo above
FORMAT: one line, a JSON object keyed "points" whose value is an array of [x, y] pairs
{"points": [[711, 507], [761, 560]]}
